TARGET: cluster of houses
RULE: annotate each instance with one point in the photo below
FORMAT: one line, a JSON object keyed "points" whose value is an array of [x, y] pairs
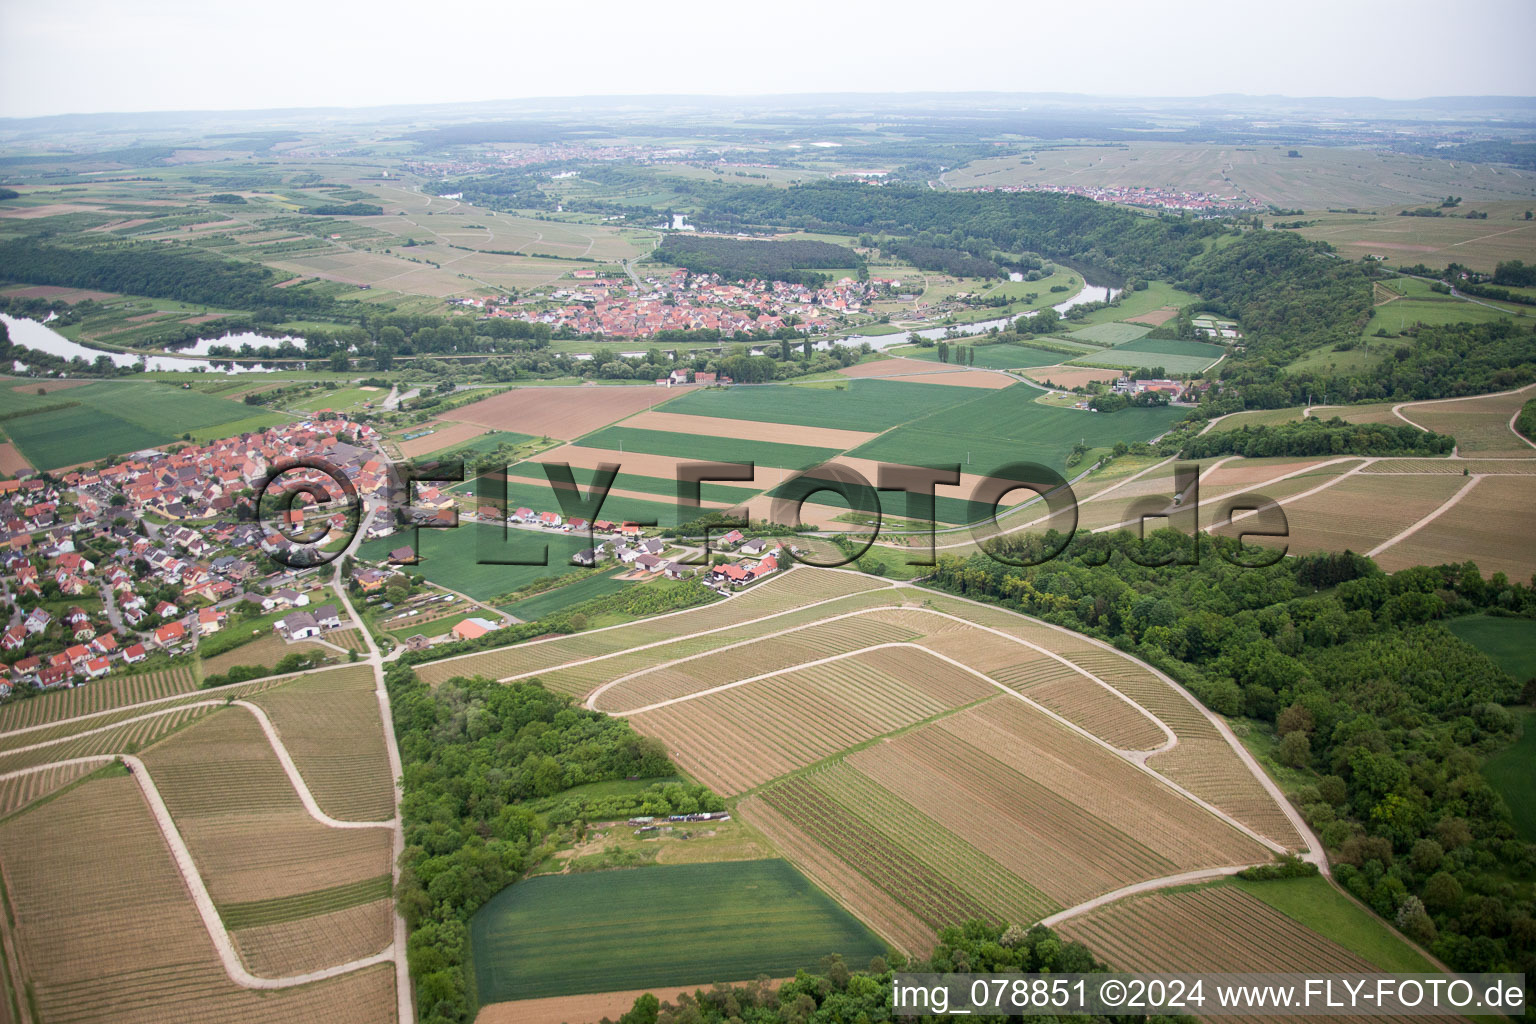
{"points": [[1147, 197], [206, 481], [616, 307], [123, 572]]}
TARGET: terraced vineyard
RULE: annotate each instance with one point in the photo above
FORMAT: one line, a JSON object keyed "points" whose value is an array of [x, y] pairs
{"points": [[329, 721], [155, 962], [244, 823]]}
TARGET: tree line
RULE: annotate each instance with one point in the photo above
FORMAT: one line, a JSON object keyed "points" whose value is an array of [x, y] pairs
{"points": [[735, 259], [1313, 436]]}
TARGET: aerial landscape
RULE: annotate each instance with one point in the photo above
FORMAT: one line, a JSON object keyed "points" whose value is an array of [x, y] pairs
{"points": [[560, 543]]}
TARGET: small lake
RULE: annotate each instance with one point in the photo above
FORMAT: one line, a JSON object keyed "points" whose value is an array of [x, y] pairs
{"points": [[35, 336]]}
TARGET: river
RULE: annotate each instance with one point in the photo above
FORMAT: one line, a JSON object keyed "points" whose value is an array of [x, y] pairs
{"points": [[34, 335]]}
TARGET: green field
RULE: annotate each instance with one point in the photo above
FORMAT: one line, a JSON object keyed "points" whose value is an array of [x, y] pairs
{"points": [[635, 482], [706, 447], [652, 927], [1007, 426], [551, 601], [451, 557], [1110, 334], [1156, 295], [537, 494], [1173, 355], [1510, 642], [1511, 770], [1318, 905], [1003, 355], [868, 405], [487, 442], [111, 418]]}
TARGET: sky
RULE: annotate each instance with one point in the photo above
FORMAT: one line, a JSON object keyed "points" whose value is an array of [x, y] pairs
{"points": [[89, 56]]}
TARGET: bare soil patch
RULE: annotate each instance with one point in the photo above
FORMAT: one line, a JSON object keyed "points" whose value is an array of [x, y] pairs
{"points": [[52, 291], [48, 387], [1070, 376], [12, 462], [924, 372], [1155, 318], [444, 433], [566, 413], [47, 210]]}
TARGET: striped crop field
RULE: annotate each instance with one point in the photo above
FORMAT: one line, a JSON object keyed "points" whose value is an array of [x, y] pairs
{"points": [[930, 897], [335, 937], [1207, 768], [1100, 710], [105, 932], [242, 820], [1479, 425], [742, 737], [96, 696], [329, 721], [774, 654], [792, 591], [1004, 896], [1359, 513], [1166, 823], [1489, 526], [1213, 928]]}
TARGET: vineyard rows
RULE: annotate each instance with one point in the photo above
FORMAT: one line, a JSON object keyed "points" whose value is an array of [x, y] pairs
{"points": [[1005, 896], [293, 947], [748, 660], [96, 696], [1215, 928], [330, 724], [21, 790], [1042, 837], [104, 929], [1209, 769], [1490, 526], [928, 895], [126, 738], [1102, 784], [242, 820], [1101, 711], [740, 738], [787, 603]]}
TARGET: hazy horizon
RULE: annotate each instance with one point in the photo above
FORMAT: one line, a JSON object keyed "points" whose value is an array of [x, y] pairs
{"points": [[91, 56]]}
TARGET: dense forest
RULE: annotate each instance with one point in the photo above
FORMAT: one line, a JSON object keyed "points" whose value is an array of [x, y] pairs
{"points": [[1444, 362], [1385, 710], [1313, 436], [735, 259], [1057, 226], [474, 753], [158, 271], [1289, 294], [346, 210], [948, 261]]}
